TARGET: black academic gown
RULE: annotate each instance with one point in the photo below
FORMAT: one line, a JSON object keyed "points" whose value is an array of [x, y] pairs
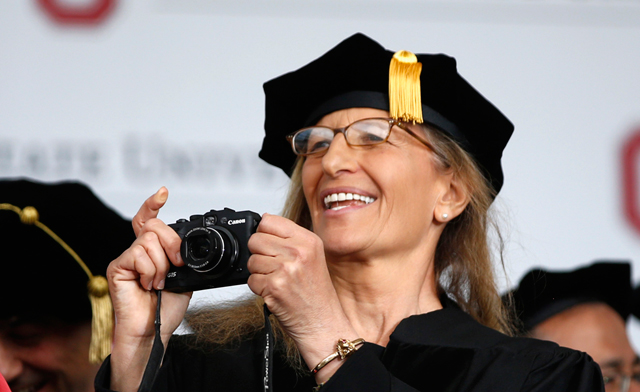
{"points": [[444, 350]]}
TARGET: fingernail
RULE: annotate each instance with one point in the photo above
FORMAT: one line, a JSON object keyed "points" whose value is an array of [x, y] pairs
{"points": [[161, 285], [163, 195], [179, 258], [150, 286]]}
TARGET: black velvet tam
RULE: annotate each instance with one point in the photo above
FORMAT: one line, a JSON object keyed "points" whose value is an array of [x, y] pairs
{"points": [[39, 279], [356, 74], [635, 309], [542, 294]]}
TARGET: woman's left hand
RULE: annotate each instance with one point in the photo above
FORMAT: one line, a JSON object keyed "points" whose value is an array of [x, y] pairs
{"points": [[289, 270]]}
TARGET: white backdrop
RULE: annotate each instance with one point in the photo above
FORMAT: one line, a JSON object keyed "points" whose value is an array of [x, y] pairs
{"points": [[169, 92]]}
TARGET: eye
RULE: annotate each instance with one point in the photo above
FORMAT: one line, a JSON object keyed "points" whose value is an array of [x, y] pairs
{"points": [[312, 140], [369, 131], [317, 146], [26, 335], [372, 138], [318, 140]]}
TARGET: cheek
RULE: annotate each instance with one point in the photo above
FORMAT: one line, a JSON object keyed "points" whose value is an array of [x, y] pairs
{"points": [[416, 185], [311, 173], [45, 356]]}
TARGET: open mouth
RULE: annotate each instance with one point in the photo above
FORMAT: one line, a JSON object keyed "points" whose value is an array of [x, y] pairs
{"points": [[338, 201]]}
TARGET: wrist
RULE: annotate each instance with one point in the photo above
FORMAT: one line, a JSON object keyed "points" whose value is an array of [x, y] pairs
{"points": [[326, 367], [129, 357]]}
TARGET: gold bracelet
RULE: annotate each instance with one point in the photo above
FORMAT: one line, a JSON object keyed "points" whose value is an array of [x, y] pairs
{"points": [[344, 348]]}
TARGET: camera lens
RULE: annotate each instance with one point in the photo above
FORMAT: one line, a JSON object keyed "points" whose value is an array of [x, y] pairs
{"points": [[209, 249], [199, 247]]}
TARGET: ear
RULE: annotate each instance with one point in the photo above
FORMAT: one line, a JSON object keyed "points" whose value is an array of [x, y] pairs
{"points": [[452, 202]]}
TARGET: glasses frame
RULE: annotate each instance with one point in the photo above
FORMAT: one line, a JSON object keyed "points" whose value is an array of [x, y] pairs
{"points": [[392, 122], [625, 380]]}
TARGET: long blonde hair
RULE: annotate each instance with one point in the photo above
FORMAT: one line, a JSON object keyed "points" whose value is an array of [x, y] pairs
{"points": [[463, 262]]}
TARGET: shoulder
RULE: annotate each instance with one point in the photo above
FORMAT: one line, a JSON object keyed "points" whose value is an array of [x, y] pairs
{"points": [[453, 328], [452, 344]]}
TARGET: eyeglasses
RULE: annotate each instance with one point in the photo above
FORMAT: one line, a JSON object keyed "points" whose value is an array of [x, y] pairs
{"points": [[620, 382], [365, 132]]}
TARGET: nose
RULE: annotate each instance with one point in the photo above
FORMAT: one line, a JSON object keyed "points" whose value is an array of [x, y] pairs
{"points": [[339, 157], [10, 365]]}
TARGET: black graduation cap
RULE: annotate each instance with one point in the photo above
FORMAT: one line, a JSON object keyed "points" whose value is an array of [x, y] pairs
{"points": [[635, 303], [542, 294], [359, 72], [57, 240]]}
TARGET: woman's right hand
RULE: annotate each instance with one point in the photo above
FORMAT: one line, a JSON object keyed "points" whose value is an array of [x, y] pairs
{"points": [[133, 278]]}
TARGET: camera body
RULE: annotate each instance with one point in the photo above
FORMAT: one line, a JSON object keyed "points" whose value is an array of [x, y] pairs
{"points": [[214, 249]]}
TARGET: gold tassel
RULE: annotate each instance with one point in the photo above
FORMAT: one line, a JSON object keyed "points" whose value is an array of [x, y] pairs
{"points": [[405, 101], [102, 322]]}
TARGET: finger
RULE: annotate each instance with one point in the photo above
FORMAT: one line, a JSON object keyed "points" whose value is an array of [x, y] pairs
{"points": [[168, 238], [269, 286], [278, 226], [149, 209], [265, 244], [259, 264], [156, 253], [258, 284], [137, 260]]}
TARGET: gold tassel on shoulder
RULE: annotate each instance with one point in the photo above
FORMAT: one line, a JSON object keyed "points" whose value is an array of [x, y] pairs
{"points": [[98, 288], [102, 322], [405, 101]]}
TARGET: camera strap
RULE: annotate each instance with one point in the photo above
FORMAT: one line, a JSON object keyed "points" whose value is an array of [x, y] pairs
{"points": [[267, 360], [157, 352]]}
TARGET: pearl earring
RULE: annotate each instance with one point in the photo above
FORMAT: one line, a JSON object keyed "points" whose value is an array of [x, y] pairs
{"points": [[445, 216]]}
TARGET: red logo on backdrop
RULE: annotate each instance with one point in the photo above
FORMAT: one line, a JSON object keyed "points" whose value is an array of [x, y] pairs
{"points": [[89, 12], [631, 178]]}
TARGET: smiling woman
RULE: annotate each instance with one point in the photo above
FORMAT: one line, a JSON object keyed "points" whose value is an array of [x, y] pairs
{"points": [[379, 275]]}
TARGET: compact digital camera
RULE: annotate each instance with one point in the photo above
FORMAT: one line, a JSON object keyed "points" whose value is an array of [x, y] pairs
{"points": [[214, 249]]}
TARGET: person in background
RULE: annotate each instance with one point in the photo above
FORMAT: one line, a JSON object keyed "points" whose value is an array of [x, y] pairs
{"points": [[56, 319], [584, 309]]}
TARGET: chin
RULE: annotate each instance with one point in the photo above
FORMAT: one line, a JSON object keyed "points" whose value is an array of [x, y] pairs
{"points": [[342, 245]]}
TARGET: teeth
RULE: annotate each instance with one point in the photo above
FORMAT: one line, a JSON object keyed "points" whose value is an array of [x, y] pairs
{"points": [[346, 196]]}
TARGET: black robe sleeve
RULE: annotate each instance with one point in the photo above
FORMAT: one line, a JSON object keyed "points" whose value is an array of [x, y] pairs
{"points": [[447, 350]]}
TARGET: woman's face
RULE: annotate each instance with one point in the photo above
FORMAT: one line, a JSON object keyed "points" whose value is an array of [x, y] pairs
{"points": [[397, 185]]}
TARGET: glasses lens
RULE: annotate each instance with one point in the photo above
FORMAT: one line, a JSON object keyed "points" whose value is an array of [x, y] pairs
{"points": [[615, 383], [312, 140], [368, 132]]}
